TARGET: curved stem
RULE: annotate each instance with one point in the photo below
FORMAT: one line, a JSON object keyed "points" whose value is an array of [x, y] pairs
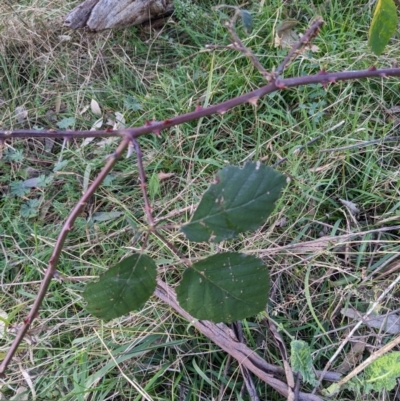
{"points": [[51, 267]]}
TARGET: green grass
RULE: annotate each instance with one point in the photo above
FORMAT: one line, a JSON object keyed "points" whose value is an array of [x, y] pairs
{"points": [[148, 74]]}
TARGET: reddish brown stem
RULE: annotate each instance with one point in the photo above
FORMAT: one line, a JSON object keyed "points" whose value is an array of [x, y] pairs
{"points": [[250, 97], [51, 267], [304, 41]]}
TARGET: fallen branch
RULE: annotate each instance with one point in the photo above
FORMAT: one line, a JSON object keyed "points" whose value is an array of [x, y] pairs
{"points": [[225, 338], [98, 15]]}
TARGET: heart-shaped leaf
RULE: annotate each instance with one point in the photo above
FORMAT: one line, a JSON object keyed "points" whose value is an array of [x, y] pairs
{"points": [[123, 288], [241, 200], [224, 287]]}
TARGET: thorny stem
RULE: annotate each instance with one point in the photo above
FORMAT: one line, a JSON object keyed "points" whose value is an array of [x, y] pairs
{"points": [[147, 205], [238, 45], [252, 97], [304, 41], [51, 267]]}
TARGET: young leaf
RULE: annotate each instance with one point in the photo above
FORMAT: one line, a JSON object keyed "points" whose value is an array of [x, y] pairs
{"points": [[30, 208], [302, 362], [123, 288], [66, 123], [18, 188], [224, 287], [383, 25], [247, 21], [130, 103], [241, 200], [383, 372]]}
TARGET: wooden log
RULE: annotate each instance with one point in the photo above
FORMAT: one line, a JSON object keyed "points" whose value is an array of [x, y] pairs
{"points": [[98, 15]]}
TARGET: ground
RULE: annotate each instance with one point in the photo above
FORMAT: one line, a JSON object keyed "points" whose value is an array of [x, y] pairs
{"points": [[48, 79]]}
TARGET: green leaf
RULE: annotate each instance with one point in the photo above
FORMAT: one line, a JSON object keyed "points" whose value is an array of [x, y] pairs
{"points": [[241, 200], [383, 25], [247, 21], [131, 103], [123, 288], [18, 188], [382, 373], [30, 208], [66, 123], [105, 216], [154, 185], [302, 362], [224, 287], [13, 155]]}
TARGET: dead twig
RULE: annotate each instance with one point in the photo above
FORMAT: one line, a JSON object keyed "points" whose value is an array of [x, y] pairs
{"points": [[225, 338], [288, 370]]}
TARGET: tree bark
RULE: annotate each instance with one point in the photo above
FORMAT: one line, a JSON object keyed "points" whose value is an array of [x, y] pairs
{"points": [[98, 15]]}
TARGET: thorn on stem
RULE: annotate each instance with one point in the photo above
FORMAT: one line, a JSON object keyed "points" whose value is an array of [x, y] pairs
{"points": [[372, 68], [280, 85], [253, 101]]}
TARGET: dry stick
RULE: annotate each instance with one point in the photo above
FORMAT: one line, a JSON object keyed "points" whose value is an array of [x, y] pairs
{"points": [[51, 268], [223, 336], [288, 370], [248, 380], [363, 144], [355, 328]]}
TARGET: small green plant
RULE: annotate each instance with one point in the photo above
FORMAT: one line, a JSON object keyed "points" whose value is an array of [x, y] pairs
{"points": [[301, 361], [379, 375], [382, 373]]}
